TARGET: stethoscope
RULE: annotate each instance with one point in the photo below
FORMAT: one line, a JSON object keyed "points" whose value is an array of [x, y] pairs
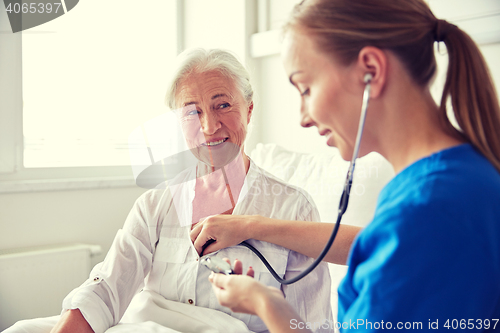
{"points": [[220, 266]]}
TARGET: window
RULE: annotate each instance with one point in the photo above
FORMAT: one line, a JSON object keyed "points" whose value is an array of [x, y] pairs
{"points": [[89, 78]]}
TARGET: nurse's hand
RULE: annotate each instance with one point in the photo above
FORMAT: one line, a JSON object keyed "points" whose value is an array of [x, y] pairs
{"points": [[241, 293], [222, 231]]}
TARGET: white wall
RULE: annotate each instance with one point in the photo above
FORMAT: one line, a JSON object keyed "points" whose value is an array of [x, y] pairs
{"points": [[280, 102], [215, 24], [279, 107], [50, 218]]}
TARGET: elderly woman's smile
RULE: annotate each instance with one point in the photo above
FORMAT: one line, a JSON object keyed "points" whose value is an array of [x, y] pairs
{"points": [[214, 143], [214, 116]]}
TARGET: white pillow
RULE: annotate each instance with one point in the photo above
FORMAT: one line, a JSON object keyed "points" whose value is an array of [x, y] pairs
{"points": [[323, 177]]}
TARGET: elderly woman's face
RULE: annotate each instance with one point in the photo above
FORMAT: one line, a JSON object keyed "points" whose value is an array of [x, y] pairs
{"points": [[213, 115]]}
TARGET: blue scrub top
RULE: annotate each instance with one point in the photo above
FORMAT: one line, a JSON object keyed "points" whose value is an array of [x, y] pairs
{"points": [[431, 255]]}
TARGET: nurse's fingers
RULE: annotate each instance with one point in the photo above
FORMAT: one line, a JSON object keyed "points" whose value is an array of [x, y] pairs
{"points": [[219, 285], [203, 238], [196, 229], [197, 241], [236, 292], [218, 280], [221, 228], [205, 244]]}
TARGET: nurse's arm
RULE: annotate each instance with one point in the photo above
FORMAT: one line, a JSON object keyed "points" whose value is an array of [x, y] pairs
{"points": [[308, 238]]}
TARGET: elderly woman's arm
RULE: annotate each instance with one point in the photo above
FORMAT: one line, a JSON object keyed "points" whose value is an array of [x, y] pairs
{"points": [[72, 321], [308, 238], [101, 301], [243, 294]]}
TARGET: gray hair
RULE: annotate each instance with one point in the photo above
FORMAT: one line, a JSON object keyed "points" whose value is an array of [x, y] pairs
{"points": [[201, 60]]}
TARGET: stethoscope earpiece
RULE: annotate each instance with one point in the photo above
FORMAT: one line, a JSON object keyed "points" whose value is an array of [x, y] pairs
{"points": [[368, 77]]}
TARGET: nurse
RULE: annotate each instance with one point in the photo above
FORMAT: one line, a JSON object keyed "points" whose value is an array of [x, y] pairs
{"points": [[431, 255]]}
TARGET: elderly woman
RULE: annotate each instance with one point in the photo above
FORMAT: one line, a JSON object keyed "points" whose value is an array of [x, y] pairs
{"points": [[153, 252]]}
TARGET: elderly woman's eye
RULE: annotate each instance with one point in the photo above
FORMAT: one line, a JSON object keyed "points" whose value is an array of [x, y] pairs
{"points": [[192, 113], [224, 105]]}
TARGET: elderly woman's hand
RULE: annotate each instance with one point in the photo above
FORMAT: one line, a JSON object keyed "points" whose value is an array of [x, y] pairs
{"points": [[221, 231]]}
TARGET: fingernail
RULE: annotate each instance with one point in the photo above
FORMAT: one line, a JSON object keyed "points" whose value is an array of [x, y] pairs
{"points": [[250, 267]]}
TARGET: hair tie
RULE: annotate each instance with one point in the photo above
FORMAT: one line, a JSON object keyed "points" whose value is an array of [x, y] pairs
{"points": [[441, 30]]}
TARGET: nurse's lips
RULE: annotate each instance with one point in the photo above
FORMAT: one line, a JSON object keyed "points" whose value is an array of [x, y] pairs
{"points": [[327, 134], [324, 132]]}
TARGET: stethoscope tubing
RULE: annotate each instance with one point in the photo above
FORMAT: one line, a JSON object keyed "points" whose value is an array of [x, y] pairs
{"points": [[344, 199]]}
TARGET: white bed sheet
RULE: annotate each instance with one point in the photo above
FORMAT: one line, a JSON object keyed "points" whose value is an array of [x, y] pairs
{"points": [[151, 313]]}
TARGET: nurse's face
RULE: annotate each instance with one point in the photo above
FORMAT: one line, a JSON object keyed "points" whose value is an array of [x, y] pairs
{"points": [[330, 93], [214, 116]]}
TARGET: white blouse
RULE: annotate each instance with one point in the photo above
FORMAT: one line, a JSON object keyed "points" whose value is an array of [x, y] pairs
{"points": [[154, 252]]}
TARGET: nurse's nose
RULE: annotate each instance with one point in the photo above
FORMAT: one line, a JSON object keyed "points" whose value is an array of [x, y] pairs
{"points": [[305, 119], [209, 123]]}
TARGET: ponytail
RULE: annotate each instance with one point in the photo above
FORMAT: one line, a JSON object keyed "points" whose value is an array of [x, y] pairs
{"points": [[341, 28], [473, 95]]}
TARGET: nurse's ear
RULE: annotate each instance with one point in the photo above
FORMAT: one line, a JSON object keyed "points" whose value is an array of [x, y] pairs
{"points": [[374, 61]]}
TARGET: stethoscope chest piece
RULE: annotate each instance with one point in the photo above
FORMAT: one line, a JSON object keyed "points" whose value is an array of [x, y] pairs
{"points": [[217, 265]]}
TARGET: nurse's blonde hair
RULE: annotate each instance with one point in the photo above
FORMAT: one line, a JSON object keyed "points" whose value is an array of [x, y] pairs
{"points": [[341, 28]]}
